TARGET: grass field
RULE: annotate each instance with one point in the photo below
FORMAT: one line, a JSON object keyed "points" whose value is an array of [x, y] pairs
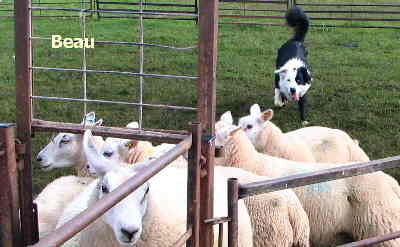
{"points": [[356, 77]]}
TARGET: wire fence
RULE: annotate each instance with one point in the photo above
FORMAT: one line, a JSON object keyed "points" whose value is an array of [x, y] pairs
{"points": [[7, 8], [342, 13]]}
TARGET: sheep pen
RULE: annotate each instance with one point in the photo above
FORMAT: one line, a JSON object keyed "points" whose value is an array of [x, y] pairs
{"points": [[354, 96]]}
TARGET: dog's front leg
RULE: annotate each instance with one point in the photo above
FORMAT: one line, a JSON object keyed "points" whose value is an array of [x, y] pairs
{"points": [[277, 98], [302, 109]]}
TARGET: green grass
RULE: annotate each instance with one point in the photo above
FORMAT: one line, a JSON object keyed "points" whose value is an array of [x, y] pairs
{"points": [[355, 89]]}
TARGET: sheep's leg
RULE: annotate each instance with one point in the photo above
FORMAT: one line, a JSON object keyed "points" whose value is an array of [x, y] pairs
{"points": [[302, 109]]}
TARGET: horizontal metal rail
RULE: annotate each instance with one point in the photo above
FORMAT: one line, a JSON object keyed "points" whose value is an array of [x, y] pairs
{"points": [[254, 1], [251, 23], [72, 2], [149, 4], [148, 10], [372, 241], [182, 240], [218, 220], [72, 227], [311, 18], [313, 25], [112, 11], [168, 107], [348, 5], [39, 125], [315, 11], [253, 10], [320, 176], [148, 18], [117, 72], [130, 43], [351, 12]]}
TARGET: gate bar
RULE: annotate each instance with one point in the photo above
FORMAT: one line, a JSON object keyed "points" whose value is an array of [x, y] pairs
{"points": [[374, 240], [9, 201], [125, 133], [324, 175], [193, 186], [23, 63]]}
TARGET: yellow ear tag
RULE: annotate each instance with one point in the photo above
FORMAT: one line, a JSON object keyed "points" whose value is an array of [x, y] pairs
{"points": [[129, 145]]}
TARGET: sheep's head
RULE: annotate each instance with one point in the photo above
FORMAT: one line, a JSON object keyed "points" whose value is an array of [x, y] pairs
{"points": [[126, 217], [65, 149], [254, 123], [97, 164], [117, 149], [224, 124]]}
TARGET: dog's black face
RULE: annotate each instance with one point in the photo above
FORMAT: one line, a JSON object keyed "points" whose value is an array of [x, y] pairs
{"points": [[302, 76], [294, 79]]}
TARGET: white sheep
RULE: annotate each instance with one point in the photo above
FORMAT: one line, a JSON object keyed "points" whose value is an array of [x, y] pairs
{"points": [[153, 215], [353, 208], [52, 199], [132, 151], [64, 150], [310, 144], [278, 218]]}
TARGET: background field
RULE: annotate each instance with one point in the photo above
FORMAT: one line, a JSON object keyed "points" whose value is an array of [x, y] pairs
{"points": [[356, 77]]}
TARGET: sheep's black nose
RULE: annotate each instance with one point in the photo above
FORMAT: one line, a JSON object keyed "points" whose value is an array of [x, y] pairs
{"points": [[129, 233], [39, 158], [292, 90]]}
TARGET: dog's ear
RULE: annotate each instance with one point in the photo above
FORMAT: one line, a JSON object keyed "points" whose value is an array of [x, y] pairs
{"points": [[281, 71], [304, 74]]}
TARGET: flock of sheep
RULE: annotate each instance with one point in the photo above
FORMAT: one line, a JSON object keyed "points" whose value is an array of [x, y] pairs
{"points": [[324, 214]]}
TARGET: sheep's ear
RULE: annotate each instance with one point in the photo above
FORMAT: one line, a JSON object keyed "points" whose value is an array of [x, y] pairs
{"points": [[89, 118], [133, 125], [227, 117], [94, 159], [99, 122], [255, 110], [233, 132], [267, 115]]}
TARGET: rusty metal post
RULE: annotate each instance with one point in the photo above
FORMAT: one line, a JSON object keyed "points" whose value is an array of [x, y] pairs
{"points": [[23, 64], [208, 37], [193, 187], [233, 197], [9, 203]]}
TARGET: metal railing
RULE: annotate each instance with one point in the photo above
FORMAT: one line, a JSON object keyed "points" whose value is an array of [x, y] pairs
{"points": [[238, 191]]}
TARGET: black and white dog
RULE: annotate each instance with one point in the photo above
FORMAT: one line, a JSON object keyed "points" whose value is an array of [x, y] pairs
{"points": [[293, 77]]}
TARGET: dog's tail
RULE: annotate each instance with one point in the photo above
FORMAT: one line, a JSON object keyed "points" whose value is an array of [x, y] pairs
{"points": [[297, 19]]}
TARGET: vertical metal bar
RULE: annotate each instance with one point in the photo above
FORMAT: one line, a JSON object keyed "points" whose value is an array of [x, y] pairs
{"points": [[83, 65], [220, 234], [196, 9], [97, 8], [141, 57], [9, 201], [193, 188], [208, 35], [233, 197], [23, 63]]}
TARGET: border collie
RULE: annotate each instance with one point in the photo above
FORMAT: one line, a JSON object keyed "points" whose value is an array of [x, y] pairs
{"points": [[293, 77]]}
